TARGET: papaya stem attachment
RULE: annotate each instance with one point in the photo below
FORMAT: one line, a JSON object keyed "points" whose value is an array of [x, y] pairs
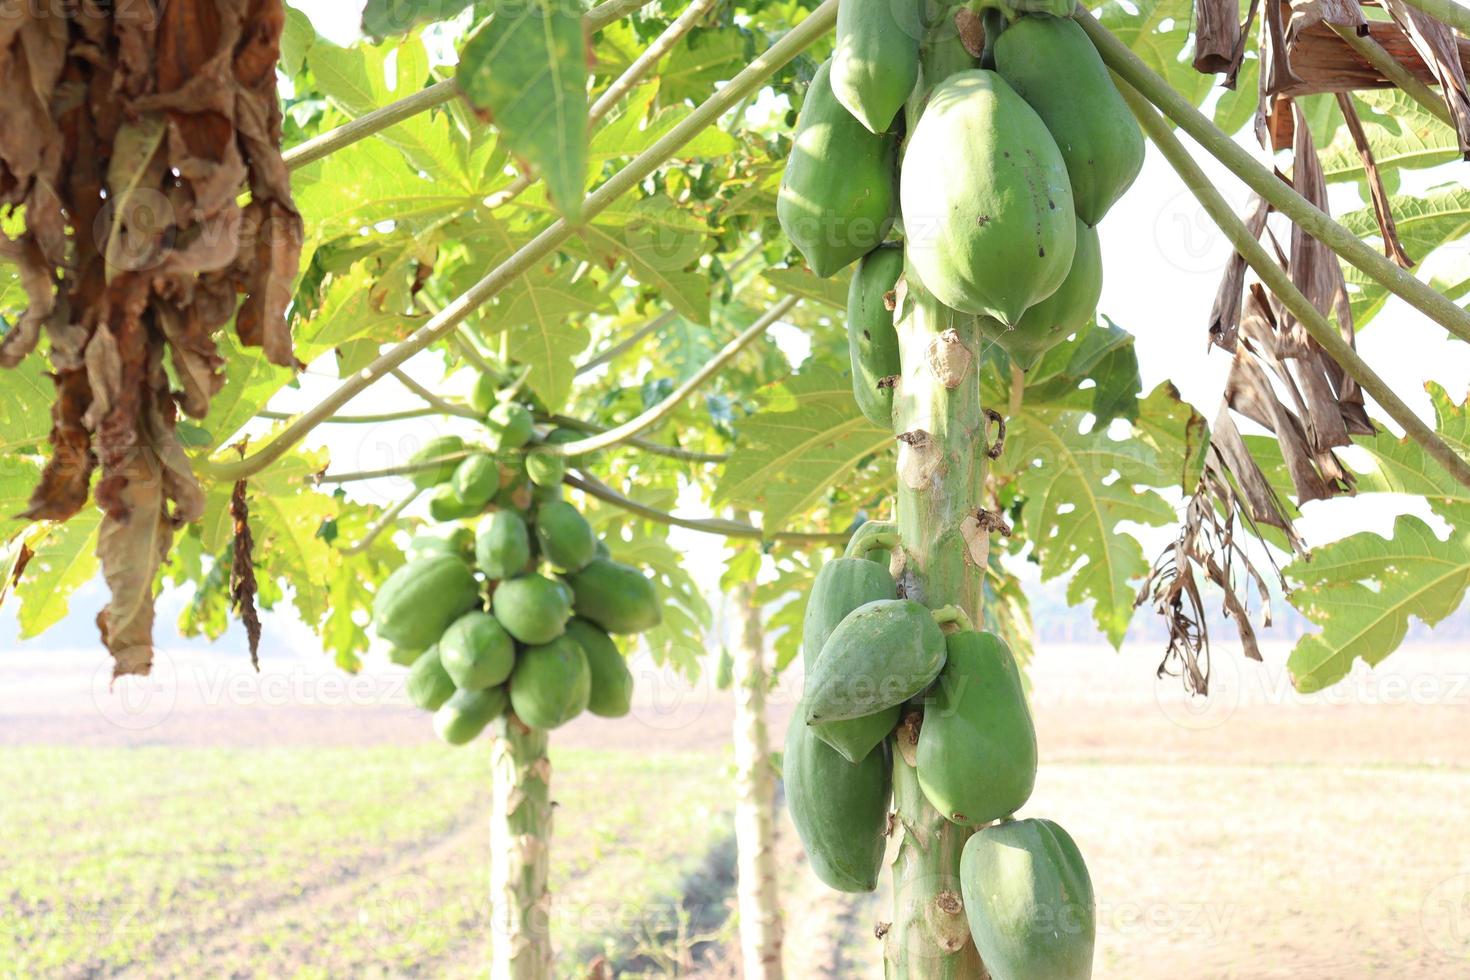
{"points": [[947, 615], [872, 536]]}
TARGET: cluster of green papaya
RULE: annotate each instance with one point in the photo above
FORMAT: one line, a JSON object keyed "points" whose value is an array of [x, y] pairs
{"points": [[992, 198], [997, 190], [871, 657], [517, 612]]}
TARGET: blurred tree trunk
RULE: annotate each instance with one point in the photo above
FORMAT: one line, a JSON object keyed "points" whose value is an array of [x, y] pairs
{"points": [[755, 789], [520, 843]]}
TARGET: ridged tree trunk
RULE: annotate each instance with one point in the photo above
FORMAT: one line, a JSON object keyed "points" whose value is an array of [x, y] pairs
{"points": [[941, 473], [941, 430], [520, 843], [759, 900]]}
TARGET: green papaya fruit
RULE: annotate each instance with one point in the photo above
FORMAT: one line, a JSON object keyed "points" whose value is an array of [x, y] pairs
{"points": [[602, 550], [503, 546], [977, 746], [872, 341], [1029, 901], [842, 585], [466, 714], [532, 608], [458, 540], [545, 469], [1052, 64], [548, 494], [876, 60], [566, 539], [855, 738], [445, 505], [551, 683], [419, 600], [516, 492], [612, 681], [434, 451], [476, 480], [486, 392], [837, 192], [560, 437], [476, 651], [840, 810], [511, 426], [724, 670], [404, 656], [987, 209], [617, 597], [429, 684], [880, 655], [1061, 314]]}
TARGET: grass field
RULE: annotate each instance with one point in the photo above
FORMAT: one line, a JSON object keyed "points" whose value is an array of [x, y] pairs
{"points": [[336, 862]]}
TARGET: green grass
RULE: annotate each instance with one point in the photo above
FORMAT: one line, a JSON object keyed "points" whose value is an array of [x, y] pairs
{"points": [[329, 862]]}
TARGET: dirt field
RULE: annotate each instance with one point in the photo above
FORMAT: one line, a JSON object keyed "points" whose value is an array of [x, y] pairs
{"points": [[1259, 835]]}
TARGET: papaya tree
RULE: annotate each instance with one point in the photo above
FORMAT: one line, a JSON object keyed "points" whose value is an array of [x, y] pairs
{"points": [[562, 234]]}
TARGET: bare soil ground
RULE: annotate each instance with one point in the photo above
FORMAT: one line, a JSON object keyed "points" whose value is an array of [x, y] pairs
{"points": [[1257, 835]]}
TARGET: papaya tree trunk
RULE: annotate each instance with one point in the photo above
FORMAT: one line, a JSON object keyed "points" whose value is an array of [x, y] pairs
{"points": [[755, 785], [520, 842], [941, 471]]}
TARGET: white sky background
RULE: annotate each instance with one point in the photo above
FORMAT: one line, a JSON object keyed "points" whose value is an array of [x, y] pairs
{"points": [[1162, 259]]}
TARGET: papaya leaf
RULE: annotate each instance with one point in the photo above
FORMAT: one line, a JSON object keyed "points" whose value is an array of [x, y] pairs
{"points": [[525, 68], [702, 59], [1158, 31], [1402, 133], [25, 406], [18, 477], [1425, 224], [1078, 486], [634, 130], [1363, 589], [1400, 465], [65, 559], [356, 81], [808, 437]]}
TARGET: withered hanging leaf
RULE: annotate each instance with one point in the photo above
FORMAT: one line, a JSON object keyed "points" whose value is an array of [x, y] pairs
{"points": [[1437, 44], [126, 136], [1220, 39], [242, 572], [1382, 212], [1225, 314]]}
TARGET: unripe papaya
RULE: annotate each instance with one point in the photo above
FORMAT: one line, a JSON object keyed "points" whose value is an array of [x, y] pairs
{"points": [[1029, 901], [880, 655], [476, 651], [428, 684], [476, 480], [987, 208], [551, 683], [977, 746], [1052, 64], [1061, 314], [840, 810], [503, 546], [419, 600], [876, 61], [466, 714], [836, 198], [445, 505], [485, 393], [841, 586], [566, 539], [545, 469], [511, 426], [404, 656], [434, 452], [617, 597], [459, 541], [612, 681], [872, 341], [532, 608]]}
